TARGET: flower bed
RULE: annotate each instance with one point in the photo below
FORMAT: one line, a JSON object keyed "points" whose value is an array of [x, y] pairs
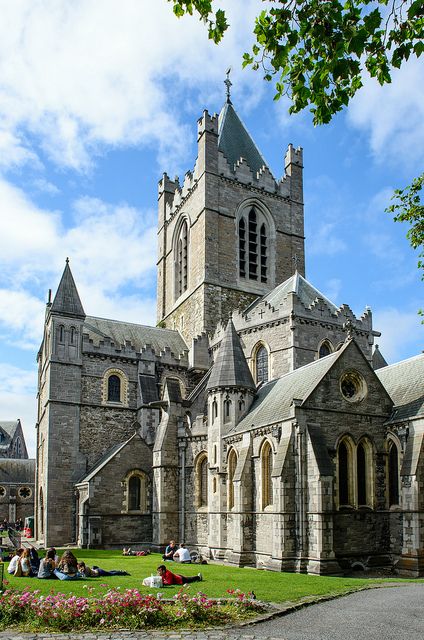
{"points": [[127, 609]]}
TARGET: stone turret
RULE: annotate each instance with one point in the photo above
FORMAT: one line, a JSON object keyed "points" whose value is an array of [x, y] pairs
{"points": [[230, 393]]}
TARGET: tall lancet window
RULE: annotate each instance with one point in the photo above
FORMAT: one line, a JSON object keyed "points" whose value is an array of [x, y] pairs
{"points": [[181, 262], [253, 246], [261, 365]]}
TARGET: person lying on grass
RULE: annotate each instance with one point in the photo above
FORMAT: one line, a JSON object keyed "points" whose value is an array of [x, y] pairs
{"points": [[169, 578], [96, 572]]}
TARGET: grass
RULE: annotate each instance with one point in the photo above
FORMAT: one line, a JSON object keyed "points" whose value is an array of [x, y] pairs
{"points": [[268, 586]]}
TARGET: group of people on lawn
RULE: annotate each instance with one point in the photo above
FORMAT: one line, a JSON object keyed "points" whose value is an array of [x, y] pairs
{"points": [[26, 563]]}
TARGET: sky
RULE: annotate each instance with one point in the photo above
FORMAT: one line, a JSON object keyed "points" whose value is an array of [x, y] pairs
{"points": [[98, 99]]}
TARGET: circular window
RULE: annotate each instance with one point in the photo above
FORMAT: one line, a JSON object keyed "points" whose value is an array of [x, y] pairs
{"points": [[25, 492], [353, 386], [2, 492]]}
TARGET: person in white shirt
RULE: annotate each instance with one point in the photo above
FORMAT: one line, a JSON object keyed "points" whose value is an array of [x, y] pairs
{"points": [[182, 554], [14, 561]]}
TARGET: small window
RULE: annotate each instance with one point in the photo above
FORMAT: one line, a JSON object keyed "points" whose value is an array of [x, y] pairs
{"points": [[134, 493], [393, 474], [114, 389], [214, 410], [227, 410], [72, 336], [361, 475], [232, 464], [61, 333], [266, 460], [325, 349], [203, 473], [343, 459], [261, 365], [25, 492]]}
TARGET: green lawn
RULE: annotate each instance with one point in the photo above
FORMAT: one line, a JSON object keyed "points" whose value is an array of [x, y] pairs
{"points": [[267, 585]]}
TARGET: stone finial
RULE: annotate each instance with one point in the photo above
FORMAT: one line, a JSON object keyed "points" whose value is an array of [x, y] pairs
{"points": [[348, 327]]}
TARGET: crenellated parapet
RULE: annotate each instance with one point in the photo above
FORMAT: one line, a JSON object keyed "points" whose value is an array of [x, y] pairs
{"points": [[207, 124]]}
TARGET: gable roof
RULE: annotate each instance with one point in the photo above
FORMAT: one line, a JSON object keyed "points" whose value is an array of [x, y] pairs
{"points": [[9, 427], [235, 142], [67, 300], [230, 368], [297, 284], [404, 382], [137, 334], [107, 457], [274, 400]]}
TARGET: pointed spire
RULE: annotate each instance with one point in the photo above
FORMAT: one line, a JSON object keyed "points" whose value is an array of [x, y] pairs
{"points": [[67, 300], [235, 142], [230, 368]]}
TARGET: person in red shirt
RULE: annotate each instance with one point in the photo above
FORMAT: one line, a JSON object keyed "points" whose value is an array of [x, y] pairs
{"points": [[169, 578]]}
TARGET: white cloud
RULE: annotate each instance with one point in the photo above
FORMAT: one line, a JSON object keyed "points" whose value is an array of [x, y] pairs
{"points": [[400, 332], [112, 247], [77, 76], [18, 399], [326, 241], [332, 289], [393, 114]]}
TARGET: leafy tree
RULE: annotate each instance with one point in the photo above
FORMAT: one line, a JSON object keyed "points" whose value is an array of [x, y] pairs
{"points": [[318, 52]]}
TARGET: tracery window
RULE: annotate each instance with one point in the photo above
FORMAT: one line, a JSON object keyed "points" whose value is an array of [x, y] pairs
{"points": [[266, 464], [181, 260], [261, 364], [253, 246], [232, 464]]}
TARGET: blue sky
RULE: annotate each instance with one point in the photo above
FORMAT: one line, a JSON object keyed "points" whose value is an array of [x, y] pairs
{"points": [[97, 100]]}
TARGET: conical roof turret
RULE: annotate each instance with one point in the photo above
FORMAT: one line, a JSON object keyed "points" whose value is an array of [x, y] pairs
{"points": [[235, 141], [67, 300], [230, 368]]}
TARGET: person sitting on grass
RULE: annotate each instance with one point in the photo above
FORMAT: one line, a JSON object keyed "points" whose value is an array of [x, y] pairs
{"points": [[170, 550], [130, 552], [13, 564], [47, 565], [96, 572], [67, 568], [182, 554], [169, 578]]}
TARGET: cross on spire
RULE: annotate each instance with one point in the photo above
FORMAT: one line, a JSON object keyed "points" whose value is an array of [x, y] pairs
{"points": [[228, 84]]}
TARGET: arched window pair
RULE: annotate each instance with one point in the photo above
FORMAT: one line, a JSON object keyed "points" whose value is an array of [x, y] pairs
{"points": [[72, 334], [253, 235], [181, 259], [201, 481], [355, 473], [137, 486]]}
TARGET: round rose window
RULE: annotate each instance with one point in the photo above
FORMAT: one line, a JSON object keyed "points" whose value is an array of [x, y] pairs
{"points": [[353, 386]]}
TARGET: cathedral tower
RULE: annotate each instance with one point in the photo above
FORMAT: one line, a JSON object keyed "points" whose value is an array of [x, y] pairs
{"points": [[59, 397], [230, 232]]}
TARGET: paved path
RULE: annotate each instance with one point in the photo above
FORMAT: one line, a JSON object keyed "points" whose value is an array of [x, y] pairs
{"points": [[395, 613]]}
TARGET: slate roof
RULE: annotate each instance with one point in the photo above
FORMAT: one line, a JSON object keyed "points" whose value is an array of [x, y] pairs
{"points": [[138, 335], [235, 142], [107, 457], [67, 300], [149, 389], [9, 427], [297, 284], [404, 382], [230, 368], [17, 471], [273, 402]]}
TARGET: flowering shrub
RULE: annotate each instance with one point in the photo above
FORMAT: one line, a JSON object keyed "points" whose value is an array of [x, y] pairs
{"points": [[129, 609]]}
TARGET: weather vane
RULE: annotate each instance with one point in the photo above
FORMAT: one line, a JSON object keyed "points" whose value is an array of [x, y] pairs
{"points": [[228, 84]]}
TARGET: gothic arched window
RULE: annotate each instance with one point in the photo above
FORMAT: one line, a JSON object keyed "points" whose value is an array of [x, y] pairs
{"points": [[181, 260], [227, 410], [393, 474], [361, 476], [261, 364], [72, 336], [232, 464], [114, 389], [343, 467], [266, 464], [325, 349], [214, 410], [253, 246], [202, 481]]}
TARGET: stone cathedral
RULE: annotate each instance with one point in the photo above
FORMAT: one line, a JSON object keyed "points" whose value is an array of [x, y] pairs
{"points": [[257, 422]]}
